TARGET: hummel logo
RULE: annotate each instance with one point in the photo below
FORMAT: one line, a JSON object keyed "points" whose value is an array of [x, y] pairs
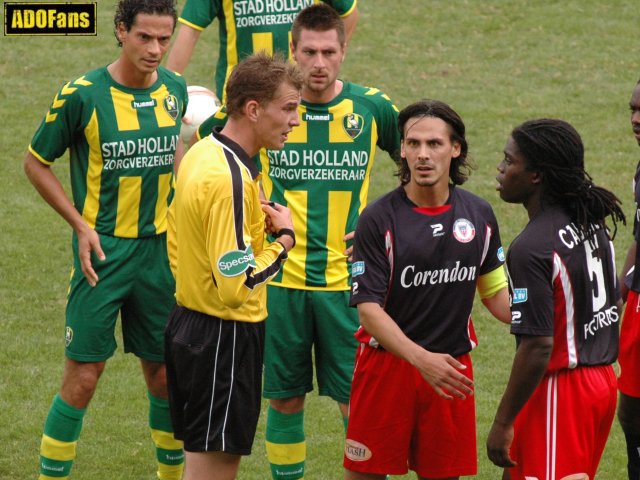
{"points": [[437, 230]]}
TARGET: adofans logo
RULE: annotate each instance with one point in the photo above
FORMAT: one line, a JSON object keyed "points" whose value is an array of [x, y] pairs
{"points": [[50, 18]]}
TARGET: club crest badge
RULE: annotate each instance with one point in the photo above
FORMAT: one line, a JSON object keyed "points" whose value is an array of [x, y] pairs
{"points": [[353, 125], [68, 336], [170, 104], [463, 230]]}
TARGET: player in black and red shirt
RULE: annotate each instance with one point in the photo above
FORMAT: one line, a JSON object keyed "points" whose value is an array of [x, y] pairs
{"points": [[629, 359], [420, 253], [556, 413]]}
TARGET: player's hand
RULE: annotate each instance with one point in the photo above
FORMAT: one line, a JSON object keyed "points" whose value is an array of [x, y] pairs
{"points": [[442, 372], [349, 251], [88, 242], [279, 215], [498, 444]]}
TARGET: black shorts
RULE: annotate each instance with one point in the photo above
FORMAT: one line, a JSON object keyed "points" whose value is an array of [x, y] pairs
{"points": [[214, 377]]}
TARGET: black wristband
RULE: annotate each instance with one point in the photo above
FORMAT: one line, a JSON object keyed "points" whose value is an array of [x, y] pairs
{"points": [[286, 231]]}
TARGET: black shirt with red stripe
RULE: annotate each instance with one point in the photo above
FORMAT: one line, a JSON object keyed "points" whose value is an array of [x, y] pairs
{"points": [[565, 287], [422, 265]]}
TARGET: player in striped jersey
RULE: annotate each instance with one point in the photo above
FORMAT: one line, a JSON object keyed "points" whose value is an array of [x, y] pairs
{"points": [[629, 360], [556, 413], [121, 125], [322, 175], [244, 27]]}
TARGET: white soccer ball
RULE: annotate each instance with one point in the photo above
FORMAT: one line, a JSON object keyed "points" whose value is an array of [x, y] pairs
{"points": [[202, 104]]}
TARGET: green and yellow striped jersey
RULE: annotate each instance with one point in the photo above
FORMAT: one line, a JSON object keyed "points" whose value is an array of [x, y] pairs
{"points": [[322, 175], [122, 143], [248, 26]]}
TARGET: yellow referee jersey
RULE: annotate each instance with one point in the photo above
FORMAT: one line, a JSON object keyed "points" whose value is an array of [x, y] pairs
{"points": [[216, 234]]}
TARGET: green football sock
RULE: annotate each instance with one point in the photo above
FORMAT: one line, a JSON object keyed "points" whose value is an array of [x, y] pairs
{"points": [[59, 439], [285, 443], [168, 450]]}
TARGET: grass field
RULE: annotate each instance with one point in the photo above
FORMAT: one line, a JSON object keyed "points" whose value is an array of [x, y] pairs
{"points": [[497, 62]]}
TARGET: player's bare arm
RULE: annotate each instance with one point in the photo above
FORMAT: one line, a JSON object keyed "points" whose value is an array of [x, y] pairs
{"points": [[529, 366], [350, 22], [440, 370], [182, 50], [50, 188], [498, 305], [349, 251], [628, 263]]}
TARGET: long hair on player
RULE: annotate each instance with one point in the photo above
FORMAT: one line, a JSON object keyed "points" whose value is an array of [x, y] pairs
{"points": [[126, 12], [554, 149], [460, 166]]}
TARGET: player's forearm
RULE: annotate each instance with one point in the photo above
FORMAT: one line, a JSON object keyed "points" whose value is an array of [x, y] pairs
{"points": [[49, 187], [182, 50], [529, 366], [628, 263], [350, 22], [498, 305], [386, 331], [235, 285]]}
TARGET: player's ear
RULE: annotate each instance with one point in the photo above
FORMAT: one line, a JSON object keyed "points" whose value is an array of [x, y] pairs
{"points": [[121, 31], [457, 148], [251, 109], [536, 178]]}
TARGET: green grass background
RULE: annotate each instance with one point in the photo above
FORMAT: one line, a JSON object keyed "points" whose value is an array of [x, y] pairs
{"points": [[497, 62]]}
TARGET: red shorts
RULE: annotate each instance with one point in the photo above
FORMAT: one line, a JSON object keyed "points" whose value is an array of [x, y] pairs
{"points": [[629, 357], [397, 420], [563, 428]]}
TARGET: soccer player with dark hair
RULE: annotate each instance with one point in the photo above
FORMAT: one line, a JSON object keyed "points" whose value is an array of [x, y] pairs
{"points": [[629, 359], [556, 413], [215, 335], [322, 175], [121, 124], [420, 253], [244, 28]]}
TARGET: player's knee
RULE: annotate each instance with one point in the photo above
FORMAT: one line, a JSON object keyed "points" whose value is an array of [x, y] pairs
{"points": [[79, 382], [287, 406], [155, 375]]}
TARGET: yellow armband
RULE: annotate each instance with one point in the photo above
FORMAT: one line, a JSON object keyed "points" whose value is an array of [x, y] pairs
{"points": [[491, 283]]}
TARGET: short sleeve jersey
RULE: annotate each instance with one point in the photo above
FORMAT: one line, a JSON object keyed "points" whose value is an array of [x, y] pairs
{"points": [[216, 233], [322, 175], [248, 26], [422, 264], [565, 287], [122, 143]]}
